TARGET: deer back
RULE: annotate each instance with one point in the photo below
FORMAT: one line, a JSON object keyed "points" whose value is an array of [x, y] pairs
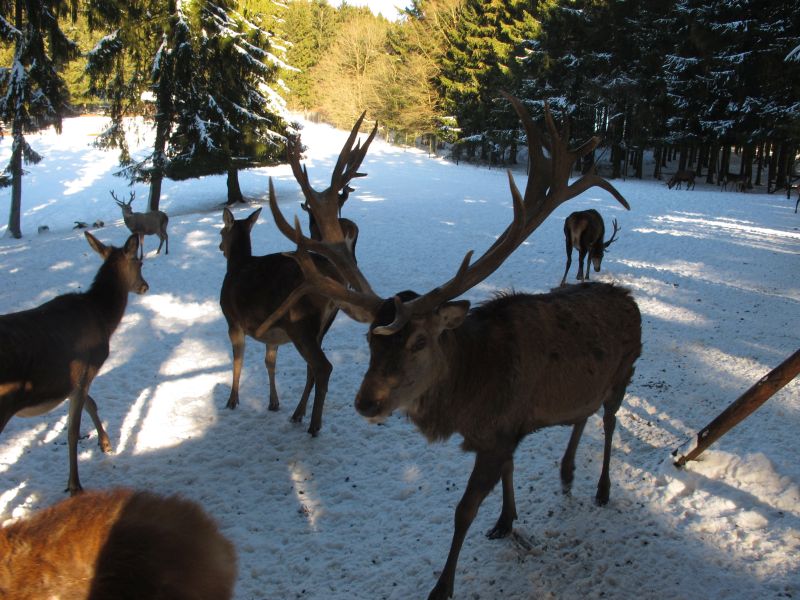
{"points": [[117, 544], [519, 361]]}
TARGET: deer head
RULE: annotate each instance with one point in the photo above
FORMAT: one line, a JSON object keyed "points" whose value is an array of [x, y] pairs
{"points": [[125, 206]]}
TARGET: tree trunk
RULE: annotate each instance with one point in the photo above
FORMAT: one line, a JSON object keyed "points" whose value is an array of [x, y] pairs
{"points": [[234, 190], [659, 152], [14, 217], [713, 153]]}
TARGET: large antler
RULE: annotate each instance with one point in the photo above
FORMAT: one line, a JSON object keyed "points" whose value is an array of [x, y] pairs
{"points": [[548, 187], [325, 206]]}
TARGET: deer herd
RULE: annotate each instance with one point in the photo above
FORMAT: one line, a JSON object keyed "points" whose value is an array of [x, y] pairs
{"points": [[492, 373]]}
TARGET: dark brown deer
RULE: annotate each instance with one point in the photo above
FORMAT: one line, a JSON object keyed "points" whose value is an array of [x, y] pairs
{"points": [[585, 230], [254, 286], [118, 544], [737, 181], [500, 371], [55, 350], [150, 223], [681, 176]]}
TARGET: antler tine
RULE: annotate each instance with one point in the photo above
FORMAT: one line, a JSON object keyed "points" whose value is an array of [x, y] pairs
{"points": [[613, 237], [350, 159], [280, 221], [300, 172]]}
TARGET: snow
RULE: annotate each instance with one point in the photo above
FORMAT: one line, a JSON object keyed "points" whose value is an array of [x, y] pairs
{"points": [[366, 511]]}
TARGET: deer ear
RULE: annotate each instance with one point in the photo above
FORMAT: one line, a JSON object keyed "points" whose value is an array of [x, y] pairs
{"points": [[97, 245], [131, 247], [227, 217], [451, 314], [251, 220]]}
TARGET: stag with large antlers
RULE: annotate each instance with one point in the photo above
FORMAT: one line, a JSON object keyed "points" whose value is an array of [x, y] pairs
{"points": [[254, 286], [500, 371], [585, 230]]}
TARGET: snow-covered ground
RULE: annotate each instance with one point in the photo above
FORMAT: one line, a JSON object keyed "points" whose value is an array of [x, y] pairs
{"points": [[365, 511]]}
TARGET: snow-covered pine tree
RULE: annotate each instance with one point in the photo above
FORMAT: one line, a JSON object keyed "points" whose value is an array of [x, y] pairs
{"points": [[228, 110], [33, 94]]}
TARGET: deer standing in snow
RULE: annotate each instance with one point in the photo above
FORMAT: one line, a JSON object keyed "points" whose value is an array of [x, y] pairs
{"points": [[254, 286], [55, 350], [119, 544], [585, 230], [681, 176], [498, 372], [141, 224]]}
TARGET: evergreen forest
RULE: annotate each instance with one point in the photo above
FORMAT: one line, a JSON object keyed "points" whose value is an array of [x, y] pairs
{"points": [[695, 81]]}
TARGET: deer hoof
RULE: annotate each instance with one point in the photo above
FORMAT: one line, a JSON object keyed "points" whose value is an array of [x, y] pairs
{"points": [[274, 406], [232, 403], [105, 445], [441, 591], [499, 531]]}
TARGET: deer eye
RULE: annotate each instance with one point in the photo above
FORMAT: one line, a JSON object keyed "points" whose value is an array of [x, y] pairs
{"points": [[419, 344]]}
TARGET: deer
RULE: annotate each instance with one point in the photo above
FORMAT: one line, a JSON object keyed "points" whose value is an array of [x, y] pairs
{"points": [[54, 351], [121, 544], [738, 181], [585, 230], [681, 176], [502, 370], [150, 223], [254, 286]]}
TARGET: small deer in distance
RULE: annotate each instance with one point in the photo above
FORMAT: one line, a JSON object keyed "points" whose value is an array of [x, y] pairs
{"points": [[585, 230], [142, 224], [737, 181], [118, 544], [681, 176], [498, 372], [254, 286], [55, 350]]}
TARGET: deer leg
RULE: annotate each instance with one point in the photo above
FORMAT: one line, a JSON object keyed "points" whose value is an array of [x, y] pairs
{"points": [[509, 512], [236, 334], [160, 243], [300, 411], [269, 359], [610, 408], [141, 245], [76, 401], [569, 262], [581, 257], [311, 351], [102, 437], [485, 474], [568, 461]]}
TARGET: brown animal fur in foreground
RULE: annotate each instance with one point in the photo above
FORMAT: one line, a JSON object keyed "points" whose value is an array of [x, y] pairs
{"points": [[120, 544]]}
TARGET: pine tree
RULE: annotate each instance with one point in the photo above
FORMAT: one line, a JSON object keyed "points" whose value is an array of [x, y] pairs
{"points": [[34, 94], [227, 112]]}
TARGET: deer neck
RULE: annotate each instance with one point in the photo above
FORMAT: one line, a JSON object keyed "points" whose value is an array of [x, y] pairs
{"points": [[109, 294], [240, 251], [446, 406]]}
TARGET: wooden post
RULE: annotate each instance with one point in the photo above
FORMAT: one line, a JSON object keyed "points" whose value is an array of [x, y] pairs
{"points": [[743, 406]]}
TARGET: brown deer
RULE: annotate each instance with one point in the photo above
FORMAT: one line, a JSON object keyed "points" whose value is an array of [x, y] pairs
{"points": [[738, 181], [55, 350], [254, 286], [681, 176], [500, 371], [120, 544], [142, 224], [585, 230]]}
